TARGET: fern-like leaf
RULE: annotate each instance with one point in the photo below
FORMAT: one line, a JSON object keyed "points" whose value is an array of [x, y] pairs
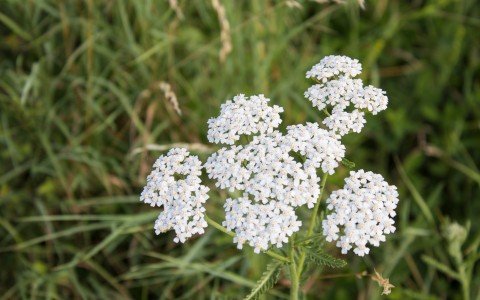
{"points": [[267, 281], [324, 259]]}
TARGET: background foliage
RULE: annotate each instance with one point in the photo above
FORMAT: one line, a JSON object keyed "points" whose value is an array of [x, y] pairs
{"points": [[82, 117]]}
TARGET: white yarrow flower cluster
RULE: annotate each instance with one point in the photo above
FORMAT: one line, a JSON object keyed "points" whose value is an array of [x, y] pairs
{"points": [[265, 170], [320, 147], [175, 185], [336, 93], [273, 182], [260, 225], [243, 116], [372, 99], [277, 173], [334, 66], [342, 122], [362, 212], [339, 91]]}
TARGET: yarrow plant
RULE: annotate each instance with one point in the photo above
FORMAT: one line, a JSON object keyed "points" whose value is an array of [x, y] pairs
{"points": [[271, 176]]}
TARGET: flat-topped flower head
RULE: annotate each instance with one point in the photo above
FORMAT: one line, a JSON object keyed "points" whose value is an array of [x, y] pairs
{"points": [[260, 225], [342, 122], [335, 93], [174, 184], [265, 170], [320, 147], [335, 66], [372, 99], [227, 169], [345, 92], [348, 98], [243, 116], [361, 213]]}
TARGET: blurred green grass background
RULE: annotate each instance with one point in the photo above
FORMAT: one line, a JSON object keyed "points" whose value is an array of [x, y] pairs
{"points": [[82, 118]]}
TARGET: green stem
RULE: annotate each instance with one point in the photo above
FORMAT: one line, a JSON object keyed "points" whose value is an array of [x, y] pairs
{"points": [[311, 226], [218, 226], [466, 290], [294, 276], [226, 231], [465, 281]]}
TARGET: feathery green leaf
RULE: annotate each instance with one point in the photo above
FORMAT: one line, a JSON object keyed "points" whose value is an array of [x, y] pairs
{"points": [[267, 281], [324, 259]]}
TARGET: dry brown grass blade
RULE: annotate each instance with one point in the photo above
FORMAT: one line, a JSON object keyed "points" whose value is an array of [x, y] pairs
{"points": [[293, 4], [171, 97], [178, 11], [225, 34]]}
